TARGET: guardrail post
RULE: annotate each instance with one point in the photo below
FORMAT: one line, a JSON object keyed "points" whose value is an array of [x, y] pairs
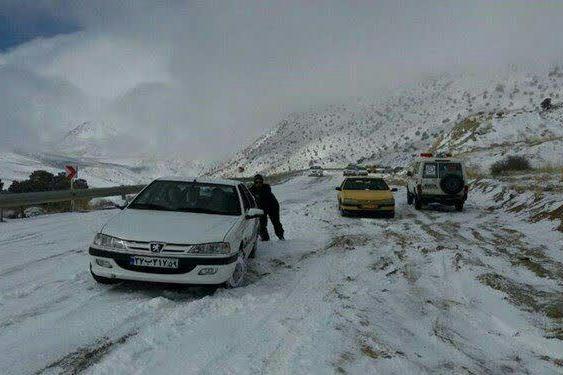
{"points": [[72, 192]]}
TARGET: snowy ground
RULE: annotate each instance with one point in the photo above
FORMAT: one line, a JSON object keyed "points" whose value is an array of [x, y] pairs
{"points": [[431, 291]]}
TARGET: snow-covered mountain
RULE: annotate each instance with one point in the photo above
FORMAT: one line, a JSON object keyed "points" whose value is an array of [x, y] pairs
{"points": [[89, 146], [88, 139], [477, 115]]}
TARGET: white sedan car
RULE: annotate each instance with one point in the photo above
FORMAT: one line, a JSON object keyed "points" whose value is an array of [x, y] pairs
{"points": [[180, 230]]}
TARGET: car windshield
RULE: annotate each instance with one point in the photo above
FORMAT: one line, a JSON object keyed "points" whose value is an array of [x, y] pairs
{"points": [[183, 196], [440, 169], [365, 184]]}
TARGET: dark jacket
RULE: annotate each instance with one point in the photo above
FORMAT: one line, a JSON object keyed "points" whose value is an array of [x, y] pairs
{"points": [[265, 198]]}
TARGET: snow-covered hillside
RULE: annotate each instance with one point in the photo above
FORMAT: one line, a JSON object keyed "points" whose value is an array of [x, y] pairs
{"points": [[391, 129], [485, 138], [99, 172]]}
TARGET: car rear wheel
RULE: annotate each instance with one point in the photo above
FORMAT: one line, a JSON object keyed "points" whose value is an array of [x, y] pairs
{"points": [[417, 203], [409, 198], [459, 207]]}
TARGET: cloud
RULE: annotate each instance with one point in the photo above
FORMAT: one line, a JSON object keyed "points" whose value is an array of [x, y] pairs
{"points": [[200, 78]]}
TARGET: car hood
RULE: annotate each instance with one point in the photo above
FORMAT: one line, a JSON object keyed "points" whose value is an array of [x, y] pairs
{"points": [[367, 194], [169, 227]]}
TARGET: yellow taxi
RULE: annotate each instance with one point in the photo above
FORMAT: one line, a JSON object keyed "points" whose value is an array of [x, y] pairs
{"points": [[366, 195]]}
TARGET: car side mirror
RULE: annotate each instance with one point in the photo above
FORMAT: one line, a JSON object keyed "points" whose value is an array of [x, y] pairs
{"points": [[253, 213], [409, 173], [394, 189], [338, 188]]}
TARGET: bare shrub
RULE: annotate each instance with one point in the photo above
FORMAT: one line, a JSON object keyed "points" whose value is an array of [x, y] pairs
{"points": [[509, 164]]}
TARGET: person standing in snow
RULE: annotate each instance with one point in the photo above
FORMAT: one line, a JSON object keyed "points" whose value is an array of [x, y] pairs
{"points": [[267, 201]]}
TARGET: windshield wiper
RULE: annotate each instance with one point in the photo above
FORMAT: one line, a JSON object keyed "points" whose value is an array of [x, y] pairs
{"points": [[148, 206], [200, 210]]}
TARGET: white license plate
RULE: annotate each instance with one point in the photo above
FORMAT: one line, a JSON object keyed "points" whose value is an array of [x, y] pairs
{"points": [[154, 262]]}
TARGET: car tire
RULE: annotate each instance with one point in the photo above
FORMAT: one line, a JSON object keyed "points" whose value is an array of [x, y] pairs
{"points": [[451, 184], [237, 278], [417, 203], [409, 198], [390, 215], [459, 207], [253, 251], [103, 280]]}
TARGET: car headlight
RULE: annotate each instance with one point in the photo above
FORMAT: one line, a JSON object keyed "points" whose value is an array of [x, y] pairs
{"points": [[350, 202], [211, 248], [109, 241]]}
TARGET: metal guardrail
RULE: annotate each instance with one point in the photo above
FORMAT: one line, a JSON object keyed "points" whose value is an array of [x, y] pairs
{"points": [[30, 199]]}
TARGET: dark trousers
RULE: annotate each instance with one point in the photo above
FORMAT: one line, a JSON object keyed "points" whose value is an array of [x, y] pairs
{"points": [[274, 216]]}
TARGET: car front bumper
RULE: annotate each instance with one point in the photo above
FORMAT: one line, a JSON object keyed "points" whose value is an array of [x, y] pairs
{"points": [[444, 199], [187, 272], [362, 208]]}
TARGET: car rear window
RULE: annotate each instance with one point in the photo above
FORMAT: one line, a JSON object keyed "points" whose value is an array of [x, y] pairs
{"points": [[365, 184], [440, 169], [449, 168], [429, 170]]}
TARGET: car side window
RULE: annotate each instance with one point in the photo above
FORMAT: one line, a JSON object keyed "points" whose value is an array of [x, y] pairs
{"points": [[250, 197], [245, 201]]}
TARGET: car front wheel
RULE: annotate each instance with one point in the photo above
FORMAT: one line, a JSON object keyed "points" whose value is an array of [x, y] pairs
{"points": [[103, 280], [253, 251], [237, 278]]}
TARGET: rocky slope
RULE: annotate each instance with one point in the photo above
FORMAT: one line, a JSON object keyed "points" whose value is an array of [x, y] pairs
{"points": [[470, 114]]}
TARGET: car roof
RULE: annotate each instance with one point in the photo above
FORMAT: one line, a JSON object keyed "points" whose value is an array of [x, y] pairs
{"points": [[364, 178], [431, 160], [203, 180]]}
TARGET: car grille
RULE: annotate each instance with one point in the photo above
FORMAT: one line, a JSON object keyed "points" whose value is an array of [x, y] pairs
{"points": [[168, 248]]}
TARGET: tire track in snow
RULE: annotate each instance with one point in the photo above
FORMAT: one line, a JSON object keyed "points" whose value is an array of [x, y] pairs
{"points": [[84, 357], [26, 265]]}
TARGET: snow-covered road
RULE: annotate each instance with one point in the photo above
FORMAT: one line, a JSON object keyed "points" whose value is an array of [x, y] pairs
{"points": [[431, 291]]}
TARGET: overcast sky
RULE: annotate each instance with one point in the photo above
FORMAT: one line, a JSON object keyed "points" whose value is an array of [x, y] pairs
{"points": [[203, 78]]}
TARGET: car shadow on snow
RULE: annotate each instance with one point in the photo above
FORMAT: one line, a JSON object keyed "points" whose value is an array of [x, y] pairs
{"points": [[175, 292], [437, 207], [367, 215]]}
